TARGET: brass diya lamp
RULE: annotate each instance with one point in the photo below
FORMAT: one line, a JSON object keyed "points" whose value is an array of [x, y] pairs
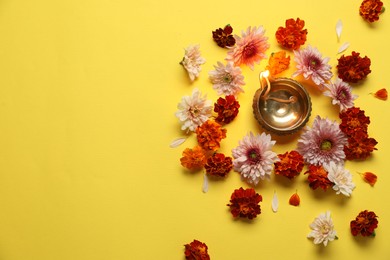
{"points": [[282, 106]]}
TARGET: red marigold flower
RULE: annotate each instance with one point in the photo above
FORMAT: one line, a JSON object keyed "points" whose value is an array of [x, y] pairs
{"points": [[360, 146], [381, 94], [218, 165], [227, 109], [318, 178], [369, 177], [292, 36], [353, 68], [278, 62], [370, 10], [365, 223], [245, 203], [294, 200], [196, 250], [223, 37], [290, 164], [353, 120], [193, 159], [210, 134]]}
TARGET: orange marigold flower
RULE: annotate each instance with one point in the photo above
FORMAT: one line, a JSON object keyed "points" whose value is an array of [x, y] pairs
{"points": [[278, 62], [218, 165], [223, 37], [245, 203], [196, 250], [318, 177], [292, 36], [193, 159], [360, 146], [210, 134], [290, 164], [369, 177], [365, 223], [295, 200], [353, 120], [370, 10], [381, 94], [353, 68], [227, 109]]}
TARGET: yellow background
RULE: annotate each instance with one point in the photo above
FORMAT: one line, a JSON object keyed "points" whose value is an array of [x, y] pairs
{"points": [[88, 92]]}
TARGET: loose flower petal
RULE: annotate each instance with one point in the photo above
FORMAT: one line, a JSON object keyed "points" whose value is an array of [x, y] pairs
{"points": [[177, 142], [339, 28], [369, 177], [295, 200], [381, 94], [205, 187], [343, 47], [275, 203]]}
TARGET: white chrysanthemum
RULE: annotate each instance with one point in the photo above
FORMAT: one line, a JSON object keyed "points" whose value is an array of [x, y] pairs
{"points": [[341, 178], [253, 158], [227, 80], [193, 110], [322, 229], [192, 61], [341, 93]]}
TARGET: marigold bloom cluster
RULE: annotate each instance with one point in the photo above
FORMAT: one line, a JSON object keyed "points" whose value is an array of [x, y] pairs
{"points": [[318, 177], [218, 165], [353, 68], [290, 164], [223, 37], [370, 10], [245, 203], [196, 250], [365, 224], [293, 35], [227, 109], [193, 159], [209, 135], [278, 62]]}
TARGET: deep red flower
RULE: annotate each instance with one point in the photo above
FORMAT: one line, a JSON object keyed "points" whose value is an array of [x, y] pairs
{"points": [[370, 10], [365, 224], [360, 146], [218, 165], [292, 36], [227, 109], [223, 37], [353, 68], [209, 135], [381, 94], [196, 250], [318, 178], [290, 164], [353, 120], [245, 203], [193, 159], [294, 200]]}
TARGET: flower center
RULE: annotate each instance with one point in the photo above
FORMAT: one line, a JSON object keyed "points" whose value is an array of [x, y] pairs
{"points": [[326, 145], [227, 78], [254, 155], [249, 51], [314, 62]]}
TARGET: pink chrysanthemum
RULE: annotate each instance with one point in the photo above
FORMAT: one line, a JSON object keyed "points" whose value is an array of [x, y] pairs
{"points": [[250, 47], [341, 93], [227, 80], [192, 61], [323, 143], [253, 158], [312, 66]]}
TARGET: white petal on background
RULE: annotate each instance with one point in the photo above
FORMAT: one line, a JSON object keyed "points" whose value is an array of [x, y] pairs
{"points": [[343, 47], [339, 28], [275, 202], [177, 142], [205, 187]]}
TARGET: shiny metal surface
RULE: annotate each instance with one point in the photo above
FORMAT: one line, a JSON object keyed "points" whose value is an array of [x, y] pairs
{"points": [[281, 117]]}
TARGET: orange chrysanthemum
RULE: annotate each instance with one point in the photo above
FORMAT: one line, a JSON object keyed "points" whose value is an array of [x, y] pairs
{"points": [[210, 134], [290, 164], [245, 203], [295, 200], [353, 68], [292, 36], [196, 250], [318, 177], [193, 159], [365, 223], [370, 10], [278, 62], [381, 94], [369, 177], [218, 165]]}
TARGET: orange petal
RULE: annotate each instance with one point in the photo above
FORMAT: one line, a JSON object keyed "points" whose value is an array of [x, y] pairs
{"points": [[370, 178], [381, 94], [295, 200]]}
